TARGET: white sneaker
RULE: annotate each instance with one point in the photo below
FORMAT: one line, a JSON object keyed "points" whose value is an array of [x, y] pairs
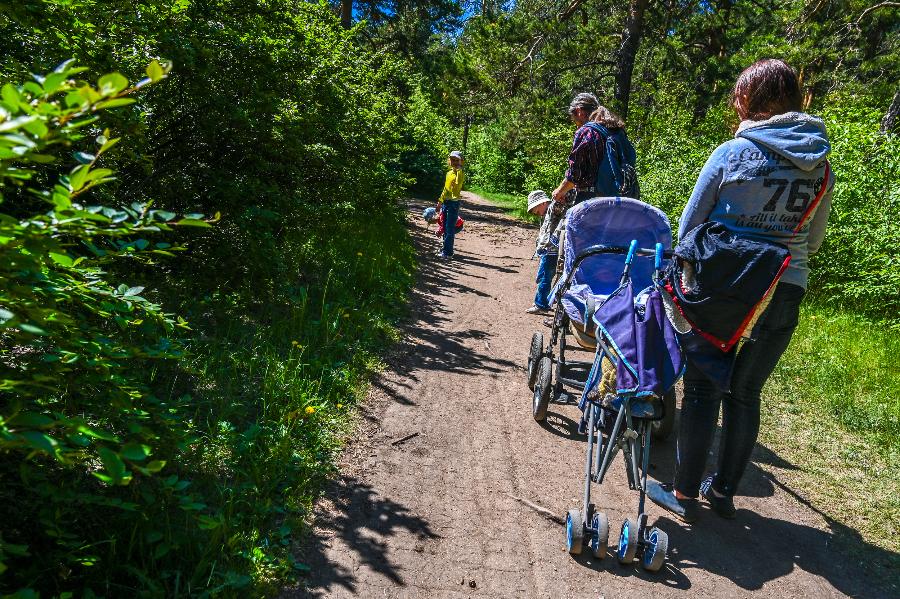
{"points": [[537, 310]]}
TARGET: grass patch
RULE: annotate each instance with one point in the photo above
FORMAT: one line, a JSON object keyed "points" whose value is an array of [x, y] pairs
{"points": [[831, 409], [257, 411], [849, 370], [513, 204], [280, 390]]}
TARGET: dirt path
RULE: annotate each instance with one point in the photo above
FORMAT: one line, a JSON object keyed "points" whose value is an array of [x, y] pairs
{"points": [[445, 512]]}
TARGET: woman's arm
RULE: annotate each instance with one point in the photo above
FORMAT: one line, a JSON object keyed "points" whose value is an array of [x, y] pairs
{"points": [[706, 192]]}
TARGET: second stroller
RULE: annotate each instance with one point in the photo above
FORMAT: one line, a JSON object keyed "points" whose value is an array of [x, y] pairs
{"points": [[595, 241]]}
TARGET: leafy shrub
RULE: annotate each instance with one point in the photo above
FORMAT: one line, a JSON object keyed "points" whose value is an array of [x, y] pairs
{"points": [[857, 266], [495, 161], [277, 118], [671, 150], [428, 139], [77, 417], [547, 154]]}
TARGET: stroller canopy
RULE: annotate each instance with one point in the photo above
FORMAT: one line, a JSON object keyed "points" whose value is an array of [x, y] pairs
{"points": [[616, 222]]}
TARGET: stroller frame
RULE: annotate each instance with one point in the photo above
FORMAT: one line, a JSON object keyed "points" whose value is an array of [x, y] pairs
{"points": [[632, 435], [546, 371], [543, 392]]}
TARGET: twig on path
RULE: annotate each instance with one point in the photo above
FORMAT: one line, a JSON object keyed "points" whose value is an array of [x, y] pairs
{"points": [[539, 509], [404, 439]]}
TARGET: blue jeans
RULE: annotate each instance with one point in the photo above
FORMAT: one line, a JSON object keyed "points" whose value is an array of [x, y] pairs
{"points": [[754, 363], [451, 213], [544, 280]]}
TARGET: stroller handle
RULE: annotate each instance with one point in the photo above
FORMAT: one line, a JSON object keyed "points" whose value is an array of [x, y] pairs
{"points": [[628, 259], [631, 249], [620, 249], [596, 250]]}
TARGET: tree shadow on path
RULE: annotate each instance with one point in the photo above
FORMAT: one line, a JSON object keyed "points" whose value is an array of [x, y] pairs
{"points": [[353, 515], [357, 517], [429, 339], [754, 549]]}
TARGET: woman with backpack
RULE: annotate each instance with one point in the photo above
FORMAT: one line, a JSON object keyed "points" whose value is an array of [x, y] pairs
{"points": [[602, 160], [601, 164], [770, 183]]}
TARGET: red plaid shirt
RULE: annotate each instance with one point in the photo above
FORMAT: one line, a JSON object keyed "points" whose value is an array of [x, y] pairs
{"points": [[584, 160]]}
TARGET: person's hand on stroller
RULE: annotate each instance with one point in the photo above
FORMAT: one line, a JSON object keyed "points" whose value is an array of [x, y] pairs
{"points": [[559, 194]]}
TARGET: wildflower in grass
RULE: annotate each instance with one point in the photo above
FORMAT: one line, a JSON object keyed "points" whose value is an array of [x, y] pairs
{"points": [[346, 315], [359, 253], [340, 406], [295, 343], [310, 410]]}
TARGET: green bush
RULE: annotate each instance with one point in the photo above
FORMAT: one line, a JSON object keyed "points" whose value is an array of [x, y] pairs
{"points": [[547, 158], [77, 416], [282, 121], [428, 138], [858, 265], [494, 161], [671, 150]]}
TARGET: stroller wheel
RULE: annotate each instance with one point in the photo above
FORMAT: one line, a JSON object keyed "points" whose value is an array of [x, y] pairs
{"points": [[599, 535], [628, 542], [655, 550], [534, 358], [661, 429], [574, 532], [542, 389]]}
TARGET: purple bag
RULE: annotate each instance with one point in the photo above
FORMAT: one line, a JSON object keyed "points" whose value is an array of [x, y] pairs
{"points": [[650, 358]]}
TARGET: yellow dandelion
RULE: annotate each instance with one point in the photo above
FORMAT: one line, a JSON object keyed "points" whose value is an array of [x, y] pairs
{"points": [[295, 343], [359, 253], [340, 405], [310, 410]]}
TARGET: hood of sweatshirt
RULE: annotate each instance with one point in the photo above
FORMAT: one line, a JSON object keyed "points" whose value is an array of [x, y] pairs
{"points": [[799, 137]]}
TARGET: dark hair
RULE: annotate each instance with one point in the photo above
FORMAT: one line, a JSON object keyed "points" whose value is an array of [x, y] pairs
{"points": [[607, 118], [770, 86]]}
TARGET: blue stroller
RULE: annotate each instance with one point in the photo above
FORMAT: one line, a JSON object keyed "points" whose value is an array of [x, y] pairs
{"points": [[635, 336], [590, 274]]}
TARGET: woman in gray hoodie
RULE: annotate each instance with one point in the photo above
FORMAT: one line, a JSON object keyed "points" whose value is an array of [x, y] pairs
{"points": [[762, 184]]}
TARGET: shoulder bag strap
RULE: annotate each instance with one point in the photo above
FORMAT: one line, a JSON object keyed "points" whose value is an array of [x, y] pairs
{"points": [[816, 200]]}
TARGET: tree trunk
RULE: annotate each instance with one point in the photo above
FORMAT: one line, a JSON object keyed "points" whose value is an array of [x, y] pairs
{"points": [[467, 119], [346, 13], [631, 41], [889, 122]]}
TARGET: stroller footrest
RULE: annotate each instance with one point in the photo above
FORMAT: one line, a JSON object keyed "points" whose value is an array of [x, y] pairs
{"points": [[640, 407]]}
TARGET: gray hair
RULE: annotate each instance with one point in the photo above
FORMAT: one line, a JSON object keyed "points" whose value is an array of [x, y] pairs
{"points": [[607, 118], [585, 101]]}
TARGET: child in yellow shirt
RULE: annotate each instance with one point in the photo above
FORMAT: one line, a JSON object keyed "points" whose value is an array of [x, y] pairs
{"points": [[450, 199]]}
